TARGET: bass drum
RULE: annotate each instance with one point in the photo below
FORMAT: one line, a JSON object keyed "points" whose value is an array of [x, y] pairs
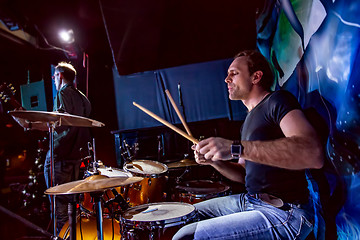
{"points": [[155, 221], [152, 188], [86, 229], [199, 190]]}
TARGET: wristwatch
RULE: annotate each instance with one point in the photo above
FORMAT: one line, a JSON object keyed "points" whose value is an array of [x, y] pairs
{"points": [[237, 149]]}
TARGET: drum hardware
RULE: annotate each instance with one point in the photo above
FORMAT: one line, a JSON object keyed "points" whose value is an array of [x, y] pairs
{"points": [[118, 199], [96, 187], [113, 204], [53, 119], [161, 149], [125, 152], [179, 179]]}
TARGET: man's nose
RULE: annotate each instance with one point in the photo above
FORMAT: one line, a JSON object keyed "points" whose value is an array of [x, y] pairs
{"points": [[227, 79]]}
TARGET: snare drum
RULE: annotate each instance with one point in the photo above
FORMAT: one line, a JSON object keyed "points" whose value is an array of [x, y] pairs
{"points": [[87, 203], [87, 229], [152, 188], [199, 190], [156, 221]]}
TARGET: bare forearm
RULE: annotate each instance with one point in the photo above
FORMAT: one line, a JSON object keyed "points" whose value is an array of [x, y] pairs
{"points": [[231, 170], [291, 152]]}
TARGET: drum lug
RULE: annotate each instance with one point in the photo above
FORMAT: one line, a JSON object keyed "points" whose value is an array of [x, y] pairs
{"points": [[149, 181], [130, 235], [137, 187], [151, 237]]}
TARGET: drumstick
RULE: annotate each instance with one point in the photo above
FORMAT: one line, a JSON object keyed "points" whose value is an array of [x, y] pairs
{"points": [[166, 123], [178, 112]]}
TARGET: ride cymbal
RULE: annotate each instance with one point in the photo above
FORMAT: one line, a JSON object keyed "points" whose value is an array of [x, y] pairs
{"points": [[183, 163]]}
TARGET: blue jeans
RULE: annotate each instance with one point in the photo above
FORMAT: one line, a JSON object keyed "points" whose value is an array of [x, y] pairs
{"points": [[64, 171], [241, 216]]}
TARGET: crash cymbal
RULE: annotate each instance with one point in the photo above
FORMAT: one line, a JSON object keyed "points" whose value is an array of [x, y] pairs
{"points": [[91, 184], [183, 163], [63, 118]]}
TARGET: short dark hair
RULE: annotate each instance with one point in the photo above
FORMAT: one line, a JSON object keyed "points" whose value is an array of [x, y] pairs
{"points": [[67, 70], [257, 62]]}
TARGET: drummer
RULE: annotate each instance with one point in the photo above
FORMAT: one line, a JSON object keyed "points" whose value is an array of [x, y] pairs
{"points": [[277, 145], [68, 140]]}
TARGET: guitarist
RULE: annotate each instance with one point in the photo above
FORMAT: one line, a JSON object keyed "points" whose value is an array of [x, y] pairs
{"points": [[68, 140]]}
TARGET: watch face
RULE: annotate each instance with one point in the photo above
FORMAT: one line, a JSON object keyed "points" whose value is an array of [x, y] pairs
{"points": [[235, 150]]}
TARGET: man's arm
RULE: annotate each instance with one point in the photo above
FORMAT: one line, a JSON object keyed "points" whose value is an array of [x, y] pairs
{"points": [[299, 149]]}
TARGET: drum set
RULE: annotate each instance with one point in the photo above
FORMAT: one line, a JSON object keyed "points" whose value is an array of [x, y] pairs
{"points": [[135, 202]]}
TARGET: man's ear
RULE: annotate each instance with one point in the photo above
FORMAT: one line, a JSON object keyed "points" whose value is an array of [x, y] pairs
{"points": [[256, 77]]}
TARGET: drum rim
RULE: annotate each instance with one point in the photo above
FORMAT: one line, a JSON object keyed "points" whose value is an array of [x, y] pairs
{"points": [[148, 175], [162, 222], [183, 191]]}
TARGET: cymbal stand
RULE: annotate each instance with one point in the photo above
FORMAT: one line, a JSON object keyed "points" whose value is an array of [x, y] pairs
{"points": [[99, 220], [72, 216], [93, 165], [51, 126]]}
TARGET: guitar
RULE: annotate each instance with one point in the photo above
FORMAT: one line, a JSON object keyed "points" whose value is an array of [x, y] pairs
{"points": [[7, 95]]}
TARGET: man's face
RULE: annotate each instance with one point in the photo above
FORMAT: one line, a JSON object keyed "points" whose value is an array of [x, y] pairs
{"points": [[238, 79], [57, 80]]}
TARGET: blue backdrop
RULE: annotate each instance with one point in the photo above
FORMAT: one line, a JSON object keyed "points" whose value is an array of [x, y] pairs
{"points": [[203, 90]]}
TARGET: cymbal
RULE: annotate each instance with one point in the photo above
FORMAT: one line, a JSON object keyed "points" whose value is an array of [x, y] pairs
{"points": [[183, 163], [91, 184], [64, 118]]}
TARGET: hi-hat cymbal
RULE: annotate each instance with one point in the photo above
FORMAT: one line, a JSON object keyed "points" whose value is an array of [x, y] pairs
{"points": [[64, 118], [91, 184], [183, 163]]}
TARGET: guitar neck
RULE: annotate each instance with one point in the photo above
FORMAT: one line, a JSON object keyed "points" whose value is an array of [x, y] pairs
{"points": [[7, 92]]}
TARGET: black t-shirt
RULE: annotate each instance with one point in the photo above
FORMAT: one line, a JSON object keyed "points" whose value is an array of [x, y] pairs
{"points": [[263, 123], [69, 140]]}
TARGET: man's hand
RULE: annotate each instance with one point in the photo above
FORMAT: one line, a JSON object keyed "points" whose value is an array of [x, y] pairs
{"points": [[199, 158], [213, 149]]}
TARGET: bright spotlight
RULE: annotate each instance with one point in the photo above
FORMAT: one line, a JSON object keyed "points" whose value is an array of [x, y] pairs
{"points": [[67, 36]]}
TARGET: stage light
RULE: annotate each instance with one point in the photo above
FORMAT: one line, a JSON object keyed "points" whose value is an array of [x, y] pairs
{"points": [[67, 36]]}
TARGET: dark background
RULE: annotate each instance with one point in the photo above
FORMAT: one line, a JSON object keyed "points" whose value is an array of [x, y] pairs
{"points": [[131, 36], [135, 35]]}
